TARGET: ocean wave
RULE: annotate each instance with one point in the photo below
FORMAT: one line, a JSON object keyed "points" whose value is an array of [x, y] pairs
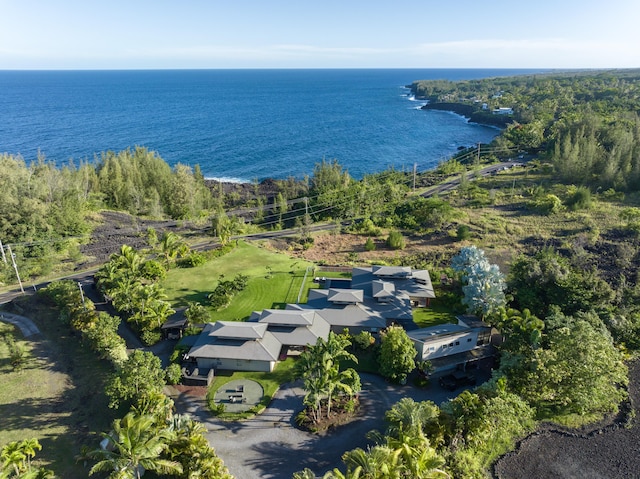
{"points": [[226, 179]]}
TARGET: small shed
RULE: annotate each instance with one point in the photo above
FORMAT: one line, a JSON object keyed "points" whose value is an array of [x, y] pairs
{"points": [[173, 328]]}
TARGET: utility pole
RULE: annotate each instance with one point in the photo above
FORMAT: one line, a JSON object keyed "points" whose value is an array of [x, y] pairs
{"points": [[15, 266], [415, 169], [4, 258], [81, 294]]}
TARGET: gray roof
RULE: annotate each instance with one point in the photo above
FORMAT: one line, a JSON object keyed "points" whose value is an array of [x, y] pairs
{"points": [[301, 335], [208, 345], [394, 271], [237, 330], [287, 317], [382, 289], [351, 296], [426, 334], [352, 315]]}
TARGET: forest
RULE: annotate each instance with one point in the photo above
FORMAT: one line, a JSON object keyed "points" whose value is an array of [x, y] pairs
{"points": [[547, 253]]}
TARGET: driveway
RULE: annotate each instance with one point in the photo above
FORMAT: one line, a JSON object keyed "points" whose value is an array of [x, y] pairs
{"points": [[270, 446], [25, 325]]}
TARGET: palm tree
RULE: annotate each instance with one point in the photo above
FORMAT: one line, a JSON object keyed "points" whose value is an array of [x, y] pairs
{"points": [[134, 445], [29, 448], [172, 246], [128, 260], [410, 417], [13, 458], [377, 463]]}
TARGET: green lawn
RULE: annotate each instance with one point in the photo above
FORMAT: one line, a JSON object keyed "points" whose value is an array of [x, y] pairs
{"points": [[57, 398], [274, 280], [433, 315], [270, 382]]}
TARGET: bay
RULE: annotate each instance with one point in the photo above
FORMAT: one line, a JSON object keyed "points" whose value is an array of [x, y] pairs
{"points": [[238, 125]]}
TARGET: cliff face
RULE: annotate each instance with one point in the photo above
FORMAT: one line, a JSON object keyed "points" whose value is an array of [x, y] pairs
{"points": [[471, 112]]}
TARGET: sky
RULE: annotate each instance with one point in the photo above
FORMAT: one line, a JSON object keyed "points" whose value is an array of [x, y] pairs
{"points": [[173, 34]]}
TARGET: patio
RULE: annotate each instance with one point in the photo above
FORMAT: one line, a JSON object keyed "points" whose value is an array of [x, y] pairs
{"points": [[239, 395]]}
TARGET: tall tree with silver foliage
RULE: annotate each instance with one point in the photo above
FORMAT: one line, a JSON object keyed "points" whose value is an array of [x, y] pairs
{"points": [[485, 285]]}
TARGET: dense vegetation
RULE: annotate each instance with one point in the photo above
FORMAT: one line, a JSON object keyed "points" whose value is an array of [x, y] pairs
{"points": [[586, 122]]}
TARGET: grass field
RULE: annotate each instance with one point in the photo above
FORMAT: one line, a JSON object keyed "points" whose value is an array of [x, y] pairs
{"points": [[274, 280], [57, 398]]}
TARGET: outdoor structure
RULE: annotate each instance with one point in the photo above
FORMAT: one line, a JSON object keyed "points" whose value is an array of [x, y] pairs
{"points": [[447, 346], [378, 297], [173, 328]]}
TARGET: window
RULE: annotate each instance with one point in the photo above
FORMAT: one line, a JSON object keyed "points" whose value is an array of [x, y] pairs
{"points": [[457, 343], [444, 346], [450, 345], [468, 340]]}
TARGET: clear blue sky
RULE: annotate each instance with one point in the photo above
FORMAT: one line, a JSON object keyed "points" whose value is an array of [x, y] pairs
{"points": [[113, 34]]}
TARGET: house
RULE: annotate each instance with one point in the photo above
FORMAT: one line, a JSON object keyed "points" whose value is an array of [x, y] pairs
{"points": [[448, 345], [377, 297], [502, 111], [237, 346]]}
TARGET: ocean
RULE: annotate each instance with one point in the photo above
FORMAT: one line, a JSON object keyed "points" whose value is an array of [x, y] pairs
{"points": [[238, 125]]}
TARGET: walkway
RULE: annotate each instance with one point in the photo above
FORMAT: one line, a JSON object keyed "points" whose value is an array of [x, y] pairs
{"points": [[25, 325]]}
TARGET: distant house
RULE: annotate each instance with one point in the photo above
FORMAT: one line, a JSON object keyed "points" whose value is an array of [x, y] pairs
{"points": [[502, 111], [448, 345], [378, 297]]}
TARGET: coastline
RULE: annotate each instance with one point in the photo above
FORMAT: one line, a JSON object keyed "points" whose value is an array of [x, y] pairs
{"points": [[470, 113]]}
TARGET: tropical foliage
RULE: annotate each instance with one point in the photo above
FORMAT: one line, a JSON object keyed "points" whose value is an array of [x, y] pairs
{"points": [[324, 381], [397, 354]]}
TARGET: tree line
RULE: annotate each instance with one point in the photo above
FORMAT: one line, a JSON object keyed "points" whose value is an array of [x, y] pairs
{"points": [[586, 123]]}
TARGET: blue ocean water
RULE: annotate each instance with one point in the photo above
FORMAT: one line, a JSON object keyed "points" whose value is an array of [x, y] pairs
{"points": [[240, 125]]}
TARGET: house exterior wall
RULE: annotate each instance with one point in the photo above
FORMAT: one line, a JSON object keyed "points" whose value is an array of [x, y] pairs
{"points": [[440, 346], [236, 364]]}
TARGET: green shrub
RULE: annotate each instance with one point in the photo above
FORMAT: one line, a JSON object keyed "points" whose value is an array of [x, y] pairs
{"points": [[363, 340], [173, 374], [580, 199], [193, 260], [463, 233], [395, 240], [150, 337], [369, 245], [217, 409]]}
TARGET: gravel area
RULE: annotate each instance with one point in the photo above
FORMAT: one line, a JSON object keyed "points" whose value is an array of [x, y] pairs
{"points": [[605, 451]]}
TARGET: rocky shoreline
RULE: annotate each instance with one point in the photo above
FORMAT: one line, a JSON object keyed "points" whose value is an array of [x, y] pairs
{"points": [[472, 114]]}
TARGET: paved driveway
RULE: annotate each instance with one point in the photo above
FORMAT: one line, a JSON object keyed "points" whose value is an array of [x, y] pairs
{"points": [[26, 326], [269, 446]]}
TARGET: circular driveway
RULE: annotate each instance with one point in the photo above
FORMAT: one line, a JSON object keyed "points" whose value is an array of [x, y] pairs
{"points": [[270, 446]]}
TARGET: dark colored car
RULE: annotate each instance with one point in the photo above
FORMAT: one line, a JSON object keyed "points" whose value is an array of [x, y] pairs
{"points": [[457, 379]]}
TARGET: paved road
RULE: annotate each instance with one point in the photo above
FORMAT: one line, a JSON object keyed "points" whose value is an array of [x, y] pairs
{"points": [[486, 171], [270, 447], [25, 325]]}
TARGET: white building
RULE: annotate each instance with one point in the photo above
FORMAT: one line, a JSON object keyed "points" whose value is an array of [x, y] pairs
{"points": [[448, 345]]}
